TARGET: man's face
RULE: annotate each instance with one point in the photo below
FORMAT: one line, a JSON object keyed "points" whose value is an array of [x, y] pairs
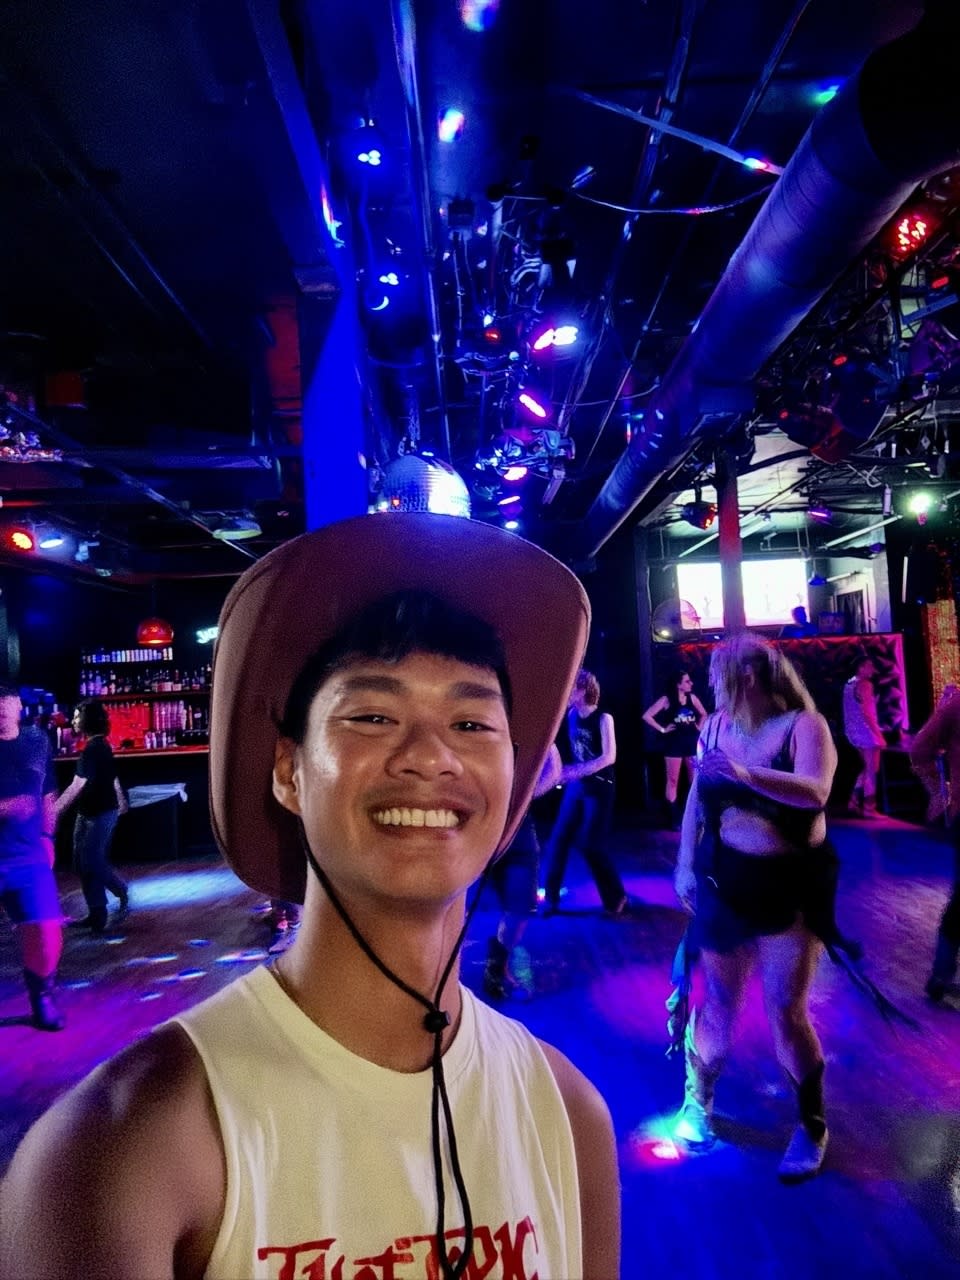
{"points": [[404, 777], [10, 708]]}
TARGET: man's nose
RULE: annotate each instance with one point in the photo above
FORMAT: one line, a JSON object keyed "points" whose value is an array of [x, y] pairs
{"points": [[426, 750]]}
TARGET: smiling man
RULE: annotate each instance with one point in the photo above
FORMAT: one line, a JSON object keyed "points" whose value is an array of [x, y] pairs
{"points": [[384, 696]]}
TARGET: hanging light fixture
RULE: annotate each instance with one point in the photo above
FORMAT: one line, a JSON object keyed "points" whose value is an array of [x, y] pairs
{"points": [[154, 632]]}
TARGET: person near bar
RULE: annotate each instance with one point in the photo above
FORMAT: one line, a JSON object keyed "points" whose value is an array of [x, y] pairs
{"points": [[758, 874], [677, 715], [588, 748], [935, 755], [862, 728], [100, 799], [28, 890], [351, 1108]]}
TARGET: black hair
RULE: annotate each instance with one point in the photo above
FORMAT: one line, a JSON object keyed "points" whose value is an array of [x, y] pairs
{"points": [[390, 629], [8, 689], [93, 716]]}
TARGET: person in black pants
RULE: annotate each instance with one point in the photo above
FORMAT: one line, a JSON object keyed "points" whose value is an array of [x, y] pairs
{"points": [[100, 799], [588, 749]]}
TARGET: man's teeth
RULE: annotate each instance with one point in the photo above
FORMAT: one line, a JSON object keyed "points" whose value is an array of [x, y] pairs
{"points": [[416, 818]]}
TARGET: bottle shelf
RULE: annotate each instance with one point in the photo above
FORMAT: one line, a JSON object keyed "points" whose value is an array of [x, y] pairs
{"points": [[153, 695]]}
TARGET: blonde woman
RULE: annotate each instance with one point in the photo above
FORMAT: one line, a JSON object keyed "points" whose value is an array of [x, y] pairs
{"points": [[757, 874]]}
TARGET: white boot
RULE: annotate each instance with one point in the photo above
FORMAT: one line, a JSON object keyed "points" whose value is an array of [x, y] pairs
{"points": [[693, 1127], [808, 1146]]}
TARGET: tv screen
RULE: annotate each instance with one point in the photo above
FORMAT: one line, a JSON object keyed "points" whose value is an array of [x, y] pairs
{"points": [[771, 589]]}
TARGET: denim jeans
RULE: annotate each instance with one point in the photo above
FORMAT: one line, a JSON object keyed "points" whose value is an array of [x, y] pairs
{"points": [[582, 823], [91, 846]]}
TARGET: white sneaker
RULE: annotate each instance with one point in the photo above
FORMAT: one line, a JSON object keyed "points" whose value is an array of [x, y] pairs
{"points": [[803, 1157]]}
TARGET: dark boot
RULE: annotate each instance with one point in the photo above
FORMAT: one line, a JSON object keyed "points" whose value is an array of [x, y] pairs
{"points": [[804, 1155], [495, 981], [693, 1125], [941, 980], [46, 1015]]}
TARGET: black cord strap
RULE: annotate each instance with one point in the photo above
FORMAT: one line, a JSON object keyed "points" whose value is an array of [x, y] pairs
{"points": [[435, 1022]]}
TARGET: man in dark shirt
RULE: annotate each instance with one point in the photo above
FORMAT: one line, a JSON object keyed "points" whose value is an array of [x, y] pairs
{"points": [[28, 890]]}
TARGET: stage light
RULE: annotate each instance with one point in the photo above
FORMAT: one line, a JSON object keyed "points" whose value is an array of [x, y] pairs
{"points": [[50, 541], [478, 15], [532, 404], [450, 125], [755, 162], [820, 513], [514, 473], [699, 513], [21, 539], [919, 505], [512, 525], [911, 230], [506, 502], [822, 96], [564, 335]]}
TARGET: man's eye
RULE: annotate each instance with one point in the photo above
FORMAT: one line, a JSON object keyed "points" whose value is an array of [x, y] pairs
{"points": [[473, 726], [369, 717]]}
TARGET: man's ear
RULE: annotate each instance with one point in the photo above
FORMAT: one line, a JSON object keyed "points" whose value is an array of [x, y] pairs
{"points": [[284, 775]]}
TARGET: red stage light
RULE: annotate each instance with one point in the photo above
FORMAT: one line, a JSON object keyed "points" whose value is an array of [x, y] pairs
{"points": [[911, 230], [21, 540]]}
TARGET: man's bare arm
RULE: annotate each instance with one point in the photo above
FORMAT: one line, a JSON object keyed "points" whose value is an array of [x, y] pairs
{"points": [[597, 1167], [122, 1178]]}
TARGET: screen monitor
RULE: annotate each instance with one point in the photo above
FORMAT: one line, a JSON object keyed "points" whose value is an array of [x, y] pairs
{"points": [[771, 590]]}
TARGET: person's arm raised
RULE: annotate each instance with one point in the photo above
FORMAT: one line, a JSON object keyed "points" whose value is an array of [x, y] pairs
{"points": [[597, 1168], [123, 1178], [814, 764]]}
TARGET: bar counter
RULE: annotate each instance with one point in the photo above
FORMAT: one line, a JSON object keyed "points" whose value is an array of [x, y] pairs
{"points": [[168, 829]]}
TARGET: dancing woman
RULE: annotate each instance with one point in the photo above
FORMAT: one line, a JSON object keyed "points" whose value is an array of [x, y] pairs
{"points": [[758, 875], [678, 715], [862, 727]]}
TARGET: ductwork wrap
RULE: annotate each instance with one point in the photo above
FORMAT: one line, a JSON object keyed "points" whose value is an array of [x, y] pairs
{"points": [[893, 125]]}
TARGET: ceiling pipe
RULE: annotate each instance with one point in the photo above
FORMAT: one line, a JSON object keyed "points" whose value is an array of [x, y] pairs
{"points": [[405, 48], [893, 125]]}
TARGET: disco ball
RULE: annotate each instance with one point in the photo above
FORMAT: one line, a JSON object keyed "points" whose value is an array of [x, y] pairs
{"points": [[415, 483]]}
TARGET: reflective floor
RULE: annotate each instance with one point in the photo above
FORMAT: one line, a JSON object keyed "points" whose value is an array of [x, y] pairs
{"points": [[888, 1201]]}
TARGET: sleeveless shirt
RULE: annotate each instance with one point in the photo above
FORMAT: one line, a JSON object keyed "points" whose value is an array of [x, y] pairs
{"points": [[329, 1171]]}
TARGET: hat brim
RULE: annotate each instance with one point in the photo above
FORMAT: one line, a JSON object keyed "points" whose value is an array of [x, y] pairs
{"points": [[288, 604]]}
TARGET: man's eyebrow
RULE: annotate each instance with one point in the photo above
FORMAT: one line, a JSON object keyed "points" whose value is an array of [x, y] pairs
{"points": [[470, 689], [390, 684]]}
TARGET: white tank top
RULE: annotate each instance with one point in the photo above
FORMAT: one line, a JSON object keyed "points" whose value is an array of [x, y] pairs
{"points": [[328, 1158]]}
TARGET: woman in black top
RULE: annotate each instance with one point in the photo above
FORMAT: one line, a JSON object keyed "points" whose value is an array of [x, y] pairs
{"points": [[588, 750], [100, 798], [678, 716], [757, 874]]}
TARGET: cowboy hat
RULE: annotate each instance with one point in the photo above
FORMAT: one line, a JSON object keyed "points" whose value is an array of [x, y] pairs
{"points": [[288, 604]]}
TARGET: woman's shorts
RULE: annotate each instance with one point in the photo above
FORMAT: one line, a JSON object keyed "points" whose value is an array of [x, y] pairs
{"points": [[741, 896], [28, 892]]}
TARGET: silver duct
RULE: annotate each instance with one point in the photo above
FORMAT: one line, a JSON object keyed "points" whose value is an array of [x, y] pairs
{"points": [[893, 125]]}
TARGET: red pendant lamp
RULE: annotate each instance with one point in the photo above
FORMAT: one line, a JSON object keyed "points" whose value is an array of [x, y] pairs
{"points": [[154, 631]]}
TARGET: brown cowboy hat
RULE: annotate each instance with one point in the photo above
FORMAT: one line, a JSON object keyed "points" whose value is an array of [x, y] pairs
{"points": [[286, 605]]}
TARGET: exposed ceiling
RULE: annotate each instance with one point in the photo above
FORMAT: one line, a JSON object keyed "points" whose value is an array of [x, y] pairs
{"points": [[178, 178]]}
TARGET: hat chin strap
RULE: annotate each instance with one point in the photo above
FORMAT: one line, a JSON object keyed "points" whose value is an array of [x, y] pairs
{"points": [[435, 1022]]}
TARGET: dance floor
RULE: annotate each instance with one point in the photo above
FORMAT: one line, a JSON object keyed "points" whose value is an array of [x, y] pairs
{"points": [[888, 1201]]}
